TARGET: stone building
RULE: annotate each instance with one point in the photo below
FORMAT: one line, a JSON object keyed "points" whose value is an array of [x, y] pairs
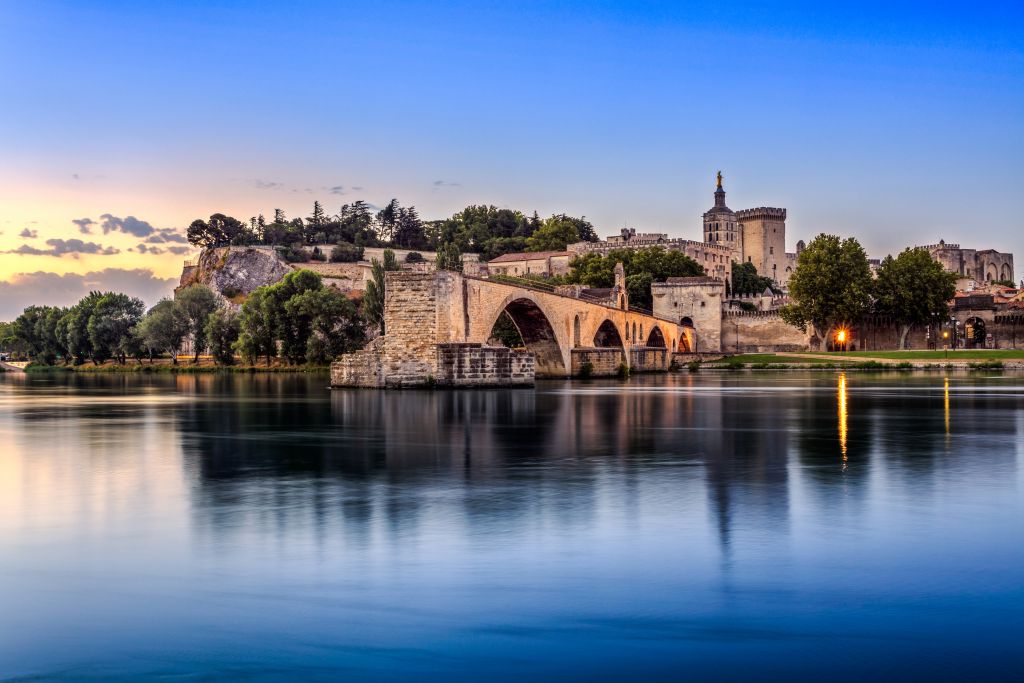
{"points": [[531, 263], [756, 236], [986, 265]]}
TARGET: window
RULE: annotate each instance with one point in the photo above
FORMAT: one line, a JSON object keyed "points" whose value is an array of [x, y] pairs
{"points": [[771, 250]]}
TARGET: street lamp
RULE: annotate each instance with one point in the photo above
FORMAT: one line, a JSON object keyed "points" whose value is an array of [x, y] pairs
{"points": [[945, 343], [841, 338]]}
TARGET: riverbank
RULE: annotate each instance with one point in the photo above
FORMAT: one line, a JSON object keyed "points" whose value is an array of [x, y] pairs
{"points": [[162, 365], [974, 359]]}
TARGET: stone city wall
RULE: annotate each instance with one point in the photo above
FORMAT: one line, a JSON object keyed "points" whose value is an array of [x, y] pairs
{"points": [[649, 359], [604, 362], [760, 332]]}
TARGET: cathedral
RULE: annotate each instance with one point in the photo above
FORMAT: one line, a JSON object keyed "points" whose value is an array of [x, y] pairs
{"points": [[755, 236]]}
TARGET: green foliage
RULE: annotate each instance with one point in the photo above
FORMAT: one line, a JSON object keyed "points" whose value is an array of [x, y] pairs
{"points": [[506, 333], [220, 231], [196, 303], [293, 254], [987, 365], [164, 329], [448, 257], [746, 281], [221, 331], [913, 289], [300, 316], [1005, 283], [111, 326], [346, 253], [586, 370], [36, 334], [693, 365], [747, 306], [414, 257], [622, 372], [373, 297], [559, 231], [642, 266], [831, 286]]}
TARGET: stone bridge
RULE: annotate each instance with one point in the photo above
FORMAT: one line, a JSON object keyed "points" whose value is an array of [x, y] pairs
{"points": [[438, 327]]}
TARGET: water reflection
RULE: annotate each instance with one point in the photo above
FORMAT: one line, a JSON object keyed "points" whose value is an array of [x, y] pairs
{"points": [[691, 522]]}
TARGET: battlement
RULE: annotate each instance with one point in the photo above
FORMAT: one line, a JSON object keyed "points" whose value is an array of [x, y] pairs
{"points": [[940, 245], [761, 213]]}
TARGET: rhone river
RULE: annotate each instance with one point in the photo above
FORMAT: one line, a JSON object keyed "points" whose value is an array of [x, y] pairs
{"points": [[720, 527]]}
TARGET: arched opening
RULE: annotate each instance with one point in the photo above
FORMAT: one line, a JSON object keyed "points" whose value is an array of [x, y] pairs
{"points": [[576, 331], [641, 330], [684, 344], [992, 277], [1006, 274], [656, 339], [686, 322], [537, 336], [634, 333], [607, 335], [974, 333]]}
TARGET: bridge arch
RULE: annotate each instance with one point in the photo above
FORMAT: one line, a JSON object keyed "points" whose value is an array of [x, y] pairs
{"points": [[537, 332], [607, 336], [656, 338]]}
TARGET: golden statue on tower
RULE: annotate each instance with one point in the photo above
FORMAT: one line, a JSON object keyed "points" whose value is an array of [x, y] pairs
{"points": [[719, 177]]}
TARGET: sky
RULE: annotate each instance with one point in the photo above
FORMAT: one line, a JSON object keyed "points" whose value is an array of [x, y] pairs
{"points": [[122, 122]]}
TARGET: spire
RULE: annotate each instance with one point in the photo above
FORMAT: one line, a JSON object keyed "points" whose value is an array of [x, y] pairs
{"points": [[719, 192]]}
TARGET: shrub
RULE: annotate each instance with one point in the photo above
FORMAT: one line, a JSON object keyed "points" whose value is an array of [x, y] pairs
{"points": [[414, 257], [905, 365], [317, 255], [293, 255], [622, 372], [987, 365], [693, 365], [586, 370], [346, 253]]}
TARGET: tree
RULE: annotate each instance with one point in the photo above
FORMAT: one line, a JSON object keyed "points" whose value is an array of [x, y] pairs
{"points": [[344, 252], [387, 219], [642, 266], [164, 328], [448, 258], [221, 332], [831, 286], [196, 303], [256, 328], [36, 333], [373, 297], [409, 233], [555, 234], [745, 280], [110, 326], [332, 322], [74, 330], [559, 231], [913, 289], [219, 231]]}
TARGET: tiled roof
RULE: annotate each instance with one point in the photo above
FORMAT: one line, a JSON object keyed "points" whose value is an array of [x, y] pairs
{"points": [[528, 256]]}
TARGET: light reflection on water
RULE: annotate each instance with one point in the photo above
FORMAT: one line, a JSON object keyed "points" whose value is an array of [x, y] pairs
{"points": [[696, 527]]}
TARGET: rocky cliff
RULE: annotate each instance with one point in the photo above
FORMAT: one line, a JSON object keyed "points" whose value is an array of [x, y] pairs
{"points": [[234, 272]]}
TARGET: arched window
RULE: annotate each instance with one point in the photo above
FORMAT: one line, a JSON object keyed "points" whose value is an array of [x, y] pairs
{"points": [[576, 332]]}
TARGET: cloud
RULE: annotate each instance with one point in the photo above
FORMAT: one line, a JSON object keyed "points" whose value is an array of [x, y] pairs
{"points": [[59, 247], [163, 235], [84, 225], [129, 224], [75, 176], [146, 249], [265, 184], [50, 289], [438, 184], [337, 189], [28, 234]]}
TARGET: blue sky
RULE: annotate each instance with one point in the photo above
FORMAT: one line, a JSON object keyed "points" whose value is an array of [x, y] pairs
{"points": [[898, 123]]}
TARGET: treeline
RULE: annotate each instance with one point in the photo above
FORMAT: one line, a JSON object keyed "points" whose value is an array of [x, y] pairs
{"points": [[833, 287], [297, 319], [486, 230]]}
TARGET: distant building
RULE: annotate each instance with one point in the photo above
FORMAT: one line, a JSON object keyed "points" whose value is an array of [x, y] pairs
{"points": [[531, 263], [756, 236], [986, 265]]}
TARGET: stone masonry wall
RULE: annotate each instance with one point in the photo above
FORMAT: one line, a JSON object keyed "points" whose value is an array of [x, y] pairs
{"points": [[475, 365], [760, 332], [604, 362]]}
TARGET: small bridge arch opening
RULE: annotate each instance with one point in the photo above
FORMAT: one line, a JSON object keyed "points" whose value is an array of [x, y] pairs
{"points": [[538, 336], [607, 336]]}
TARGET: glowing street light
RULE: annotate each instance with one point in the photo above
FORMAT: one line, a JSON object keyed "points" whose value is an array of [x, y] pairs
{"points": [[841, 338]]}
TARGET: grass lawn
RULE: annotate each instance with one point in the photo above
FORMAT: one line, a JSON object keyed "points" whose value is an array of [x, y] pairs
{"points": [[781, 360], [962, 354]]}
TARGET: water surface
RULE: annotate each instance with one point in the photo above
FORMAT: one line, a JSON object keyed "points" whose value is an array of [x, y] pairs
{"points": [[726, 527]]}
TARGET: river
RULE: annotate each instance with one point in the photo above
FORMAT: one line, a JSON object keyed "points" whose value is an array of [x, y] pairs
{"points": [[715, 526]]}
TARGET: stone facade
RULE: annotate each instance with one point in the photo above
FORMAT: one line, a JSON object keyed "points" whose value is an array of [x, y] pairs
{"points": [[695, 303], [764, 241], [531, 263], [986, 265], [715, 258], [760, 332]]}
